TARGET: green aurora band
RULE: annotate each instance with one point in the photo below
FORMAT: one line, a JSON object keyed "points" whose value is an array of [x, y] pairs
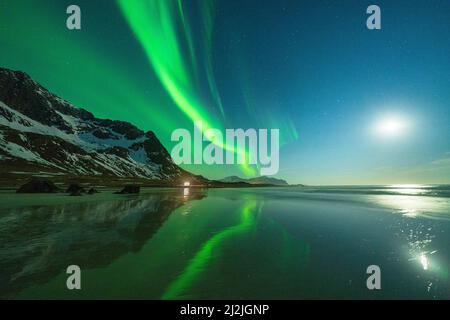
{"points": [[155, 25], [99, 68]]}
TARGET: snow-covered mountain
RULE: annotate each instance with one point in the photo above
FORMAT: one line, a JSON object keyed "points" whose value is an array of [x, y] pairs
{"points": [[40, 132]]}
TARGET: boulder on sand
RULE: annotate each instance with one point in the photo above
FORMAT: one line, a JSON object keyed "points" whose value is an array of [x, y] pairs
{"points": [[38, 186], [75, 188], [92, 191], [76, 193], [130, 190]]}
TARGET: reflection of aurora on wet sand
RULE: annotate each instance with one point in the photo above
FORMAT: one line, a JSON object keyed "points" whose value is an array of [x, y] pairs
{"points": [[209, 248], [286, 249], [254, 243]]}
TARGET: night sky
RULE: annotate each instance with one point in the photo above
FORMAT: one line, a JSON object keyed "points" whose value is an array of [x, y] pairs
{"points": [[310, 68]]}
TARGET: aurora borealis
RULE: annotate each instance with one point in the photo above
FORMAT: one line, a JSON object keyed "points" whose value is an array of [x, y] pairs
{"points": [[308, 68], [347, 115]]}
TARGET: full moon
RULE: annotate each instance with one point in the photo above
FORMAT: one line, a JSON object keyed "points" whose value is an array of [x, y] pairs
{"points": [[390, 126]]}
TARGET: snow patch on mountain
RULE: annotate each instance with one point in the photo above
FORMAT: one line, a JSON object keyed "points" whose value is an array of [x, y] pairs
{"points": [[20, 152]]}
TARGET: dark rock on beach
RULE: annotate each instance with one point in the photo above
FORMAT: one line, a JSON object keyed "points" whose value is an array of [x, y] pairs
{"points": [[75, 188], [76, 193], [130, 190], [38, 186], [92, 191]]}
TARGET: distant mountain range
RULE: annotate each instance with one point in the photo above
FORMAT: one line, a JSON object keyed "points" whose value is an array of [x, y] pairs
{"points": [[256, 181], [40, 132]]}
